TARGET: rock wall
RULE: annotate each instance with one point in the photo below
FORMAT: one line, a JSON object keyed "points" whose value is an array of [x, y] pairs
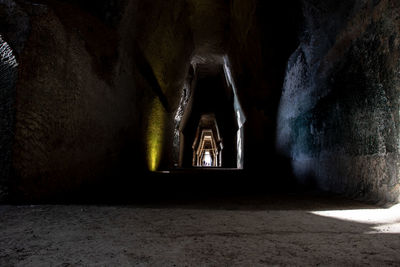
{"points": [[14, 28], [71, 119], [79, 114], [8, 76], [90, 76], [338, 118]]}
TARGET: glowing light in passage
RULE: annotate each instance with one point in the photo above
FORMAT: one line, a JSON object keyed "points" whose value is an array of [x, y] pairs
{"points": [[207, 161], [381, 220], [155, 132]]}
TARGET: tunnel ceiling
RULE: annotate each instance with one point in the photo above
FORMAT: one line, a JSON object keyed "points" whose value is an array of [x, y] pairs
{"points": [[170, 33]]}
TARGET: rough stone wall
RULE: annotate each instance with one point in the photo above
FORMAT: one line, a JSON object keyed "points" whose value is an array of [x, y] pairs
{"points": [[83, 100], [14, 28], [164, 36], [339, 111], [262, 38], [8, 76], [72, 122], [14, 24]]}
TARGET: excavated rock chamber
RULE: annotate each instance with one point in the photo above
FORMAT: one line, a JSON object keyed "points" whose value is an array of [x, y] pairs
{"points": [[107, 94]]}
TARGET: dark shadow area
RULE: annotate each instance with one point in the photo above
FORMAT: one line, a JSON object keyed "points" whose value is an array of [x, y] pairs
{"points": [[147, 73], [259, 85], [178, 186]]}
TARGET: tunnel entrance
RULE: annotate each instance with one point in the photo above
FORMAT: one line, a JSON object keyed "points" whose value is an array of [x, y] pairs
{"points": [[207, 145], [212, 101], [209, 96]]}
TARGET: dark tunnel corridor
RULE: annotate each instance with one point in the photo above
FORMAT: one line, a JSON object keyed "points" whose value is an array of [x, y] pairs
{"points": [[212, 96], [199, 132]]}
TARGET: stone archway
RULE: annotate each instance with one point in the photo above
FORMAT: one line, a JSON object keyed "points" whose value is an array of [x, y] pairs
{"points": [[228, 110], [207, 146]]}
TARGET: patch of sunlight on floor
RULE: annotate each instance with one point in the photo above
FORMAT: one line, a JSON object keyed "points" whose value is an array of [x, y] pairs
{"points": [[381, 220]]}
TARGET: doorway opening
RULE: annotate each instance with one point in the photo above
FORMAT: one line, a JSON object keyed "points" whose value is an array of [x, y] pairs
{"points": [[209, 93], [207, 146]]}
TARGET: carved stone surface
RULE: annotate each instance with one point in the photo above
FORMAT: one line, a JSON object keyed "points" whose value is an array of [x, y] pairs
{"points": [[8, 76], [339, 114]]}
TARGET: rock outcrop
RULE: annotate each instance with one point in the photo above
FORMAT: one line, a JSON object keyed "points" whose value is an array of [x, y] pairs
{"points": [[339, 119]]}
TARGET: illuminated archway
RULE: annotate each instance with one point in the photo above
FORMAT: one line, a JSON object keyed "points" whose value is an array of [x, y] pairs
{"points": [[205, 67], [207, 146]]}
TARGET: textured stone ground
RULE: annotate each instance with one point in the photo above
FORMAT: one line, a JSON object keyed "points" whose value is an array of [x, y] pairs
{"points": [[275, 230]]}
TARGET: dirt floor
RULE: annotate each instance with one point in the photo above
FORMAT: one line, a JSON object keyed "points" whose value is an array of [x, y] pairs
{"points": [[275, 230]]}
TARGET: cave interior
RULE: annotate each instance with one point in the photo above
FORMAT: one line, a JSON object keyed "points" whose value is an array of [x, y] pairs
{"points": [[101, 96], [252, 110]]}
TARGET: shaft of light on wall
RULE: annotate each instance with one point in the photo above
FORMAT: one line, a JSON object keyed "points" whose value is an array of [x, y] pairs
{"points": [[154, 135]]}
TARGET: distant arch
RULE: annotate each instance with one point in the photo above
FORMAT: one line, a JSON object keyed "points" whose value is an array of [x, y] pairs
{"points": [[207, 146], [209, 66]]}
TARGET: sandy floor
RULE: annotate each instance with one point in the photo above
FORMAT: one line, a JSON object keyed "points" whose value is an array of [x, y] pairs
{"points": [[280, 230]]}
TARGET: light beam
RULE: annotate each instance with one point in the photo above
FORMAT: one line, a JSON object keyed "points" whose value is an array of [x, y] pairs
{"points": [[155, 133]]}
